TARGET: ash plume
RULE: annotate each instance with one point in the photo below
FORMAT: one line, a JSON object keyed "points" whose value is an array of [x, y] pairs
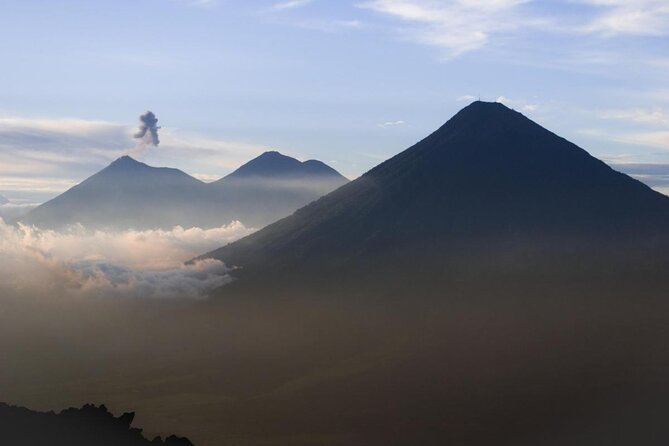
{"points": [[148, 129]]}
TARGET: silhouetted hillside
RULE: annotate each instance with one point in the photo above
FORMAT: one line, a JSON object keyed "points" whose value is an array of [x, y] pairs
{"points": [[129, 194], [125, 194], [490, 192], [275, 165], [273, 185], [87, 426]]}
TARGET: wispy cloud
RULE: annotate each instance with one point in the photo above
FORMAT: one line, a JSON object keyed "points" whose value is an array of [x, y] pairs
{"points": [[391, 124], [322, 25], [640, 126], [317, 22], [637, 17], [654, 116], [466, 98], [520, 104], [460, 26], [655, 139], [291, 4], [455, 26], [198, 3]]}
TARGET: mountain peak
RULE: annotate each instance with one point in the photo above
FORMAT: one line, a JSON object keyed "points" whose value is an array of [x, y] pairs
{"points": [[485, 107], [490, 105], [126, 161], [272, 164], [479, 113], [272, 154]]}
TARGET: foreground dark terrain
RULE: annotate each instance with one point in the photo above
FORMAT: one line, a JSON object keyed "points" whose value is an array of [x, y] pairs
{"points": [[548, 366], [74, 427]]}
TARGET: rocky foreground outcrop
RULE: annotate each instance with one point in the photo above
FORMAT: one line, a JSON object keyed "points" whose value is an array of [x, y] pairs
{"points": [[90, 425]]}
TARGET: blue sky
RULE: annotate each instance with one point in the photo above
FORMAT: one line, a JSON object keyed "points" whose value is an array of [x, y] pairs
{"points": [[349, 82]]}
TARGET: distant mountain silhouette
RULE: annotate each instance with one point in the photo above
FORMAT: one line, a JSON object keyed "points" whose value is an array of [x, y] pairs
{"points": [[87, 426], [273, 185], [275, 165], [488, 191], [3, 199], [130, 194], [125, 194]]}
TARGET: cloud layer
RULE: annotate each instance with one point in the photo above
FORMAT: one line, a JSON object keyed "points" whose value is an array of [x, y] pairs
{"points": [[129, 263]]}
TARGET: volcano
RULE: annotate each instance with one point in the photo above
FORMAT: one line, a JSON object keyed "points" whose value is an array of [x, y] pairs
{"points": [[490, 193]]}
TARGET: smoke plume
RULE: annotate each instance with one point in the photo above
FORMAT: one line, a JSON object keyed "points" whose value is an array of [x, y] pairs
{"points": [[148, 129]]}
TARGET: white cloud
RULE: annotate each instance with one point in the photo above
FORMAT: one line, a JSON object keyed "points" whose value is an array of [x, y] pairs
{"points": [[520, 104], [148, 249], [639, 126], [392, 124], [325, 25], [460, 26], [347, 24], [456, 26], [291, 4], [51, 185], [640, 17], [128, 263], [466, 98], [656, 139], [659, 139], [654, 116], [187, 281], [198, 3]]}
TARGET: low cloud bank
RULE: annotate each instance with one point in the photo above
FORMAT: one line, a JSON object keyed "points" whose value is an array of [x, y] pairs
{"points": [[10, 211], [99, 263], [188, 281]]}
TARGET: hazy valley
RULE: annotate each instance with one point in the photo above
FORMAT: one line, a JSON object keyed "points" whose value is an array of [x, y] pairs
{"points": [[492, 284]]}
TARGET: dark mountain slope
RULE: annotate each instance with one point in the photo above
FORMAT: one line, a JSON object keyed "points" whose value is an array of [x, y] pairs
{"points": [[489, 188]]}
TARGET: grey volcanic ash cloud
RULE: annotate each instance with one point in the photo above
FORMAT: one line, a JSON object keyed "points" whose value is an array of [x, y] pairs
{"points": [[148, 129]]}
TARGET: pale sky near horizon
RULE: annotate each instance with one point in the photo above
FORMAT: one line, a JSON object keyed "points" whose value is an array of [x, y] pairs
{"points": [[349, 82]]}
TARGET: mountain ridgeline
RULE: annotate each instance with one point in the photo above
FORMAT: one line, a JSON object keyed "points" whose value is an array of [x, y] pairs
{"points": [[129, 194], [489, 194]]}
